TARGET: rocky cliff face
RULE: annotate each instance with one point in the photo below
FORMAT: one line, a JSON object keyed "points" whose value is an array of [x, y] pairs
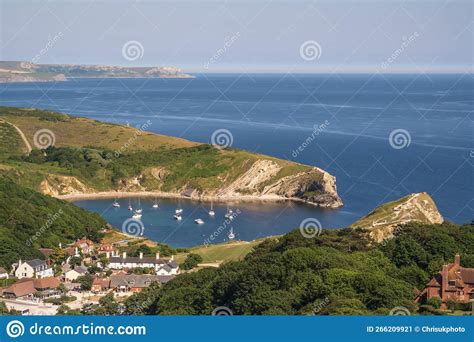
{"points": [[55, 185], [382, 221], [261, 181]]}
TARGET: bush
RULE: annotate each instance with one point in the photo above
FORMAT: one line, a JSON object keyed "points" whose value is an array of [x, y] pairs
{"points": [[192, 260], [435, 302]]}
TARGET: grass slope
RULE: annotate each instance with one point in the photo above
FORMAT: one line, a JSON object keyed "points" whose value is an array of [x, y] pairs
{"points": [[106, 156]]}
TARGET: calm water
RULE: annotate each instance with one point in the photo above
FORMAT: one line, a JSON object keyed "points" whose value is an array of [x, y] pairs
{"points": [[274, 114], [252, 220]]}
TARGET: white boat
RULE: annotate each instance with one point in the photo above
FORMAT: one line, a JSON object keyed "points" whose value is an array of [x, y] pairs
{"points": [[199, 221], [177, 217], [155, 205], [137, 216], [231, 234], [116, 204], [178, 211], [139, 210], [130, 205], [229, 213], [212, 212]]}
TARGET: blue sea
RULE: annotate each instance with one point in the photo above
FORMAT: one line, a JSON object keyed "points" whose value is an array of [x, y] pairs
{"points": [[348, 119]]}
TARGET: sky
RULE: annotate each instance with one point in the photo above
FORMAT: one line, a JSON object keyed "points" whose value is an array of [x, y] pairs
{"points": [[243, 36]]}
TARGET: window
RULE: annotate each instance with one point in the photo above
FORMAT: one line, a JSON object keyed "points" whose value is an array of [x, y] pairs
{"points": [[451, 282]]}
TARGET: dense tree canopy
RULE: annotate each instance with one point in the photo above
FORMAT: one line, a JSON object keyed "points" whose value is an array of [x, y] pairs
{"points": [[341, 272], [30, 220]]}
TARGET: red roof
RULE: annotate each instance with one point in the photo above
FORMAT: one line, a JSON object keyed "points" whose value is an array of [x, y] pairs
{"points": [[21, 289]]}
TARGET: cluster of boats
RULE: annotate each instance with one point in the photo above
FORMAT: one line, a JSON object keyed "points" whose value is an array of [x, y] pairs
{"points": [[137, 214]]}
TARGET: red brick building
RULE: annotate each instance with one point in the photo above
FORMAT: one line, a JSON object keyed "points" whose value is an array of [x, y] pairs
{"points": [[453, 282]]}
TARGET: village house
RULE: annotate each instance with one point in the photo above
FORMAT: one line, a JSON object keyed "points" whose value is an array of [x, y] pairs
{"points": [[21, 290], [33, 269], [100, 285], [3, 273], [453, 282], [86, 246], [27, 287], [135, 282], [75, 273], [161, 266], [107, 249]]}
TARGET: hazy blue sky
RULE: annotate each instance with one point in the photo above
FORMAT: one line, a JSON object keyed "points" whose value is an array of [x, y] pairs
{"points": [[251, 35]]}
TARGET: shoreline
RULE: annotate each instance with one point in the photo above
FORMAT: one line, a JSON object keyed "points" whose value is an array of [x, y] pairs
{"points": [[135, 194]]}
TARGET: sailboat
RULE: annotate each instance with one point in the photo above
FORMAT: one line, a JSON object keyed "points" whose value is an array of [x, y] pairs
{"points": [[137, 216], [139, 210], [211, 212], [229, 213], [177, 217], [130, 205], [199, 221], [231, 234], [155, 205], [116, 204]]}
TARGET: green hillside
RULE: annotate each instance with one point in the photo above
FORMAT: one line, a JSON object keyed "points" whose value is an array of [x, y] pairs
{"points": [[29, 220], [92, 156], [339, 272]]}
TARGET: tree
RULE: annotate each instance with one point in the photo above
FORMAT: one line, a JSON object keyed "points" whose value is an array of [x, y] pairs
{"points": [[109, 305], [192, 260], [85, 281], [75, 261], [435, 302]]}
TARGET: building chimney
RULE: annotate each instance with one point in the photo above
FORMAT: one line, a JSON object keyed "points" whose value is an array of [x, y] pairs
{"points": [[124, 255], [141, 255], [444, 282], [457, 260], [157, 255], [76, 252]]}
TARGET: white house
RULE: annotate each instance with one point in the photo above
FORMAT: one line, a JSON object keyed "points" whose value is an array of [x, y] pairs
{"points": [[75, 273], [3, 273], [33, 269], [161, 266]]}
